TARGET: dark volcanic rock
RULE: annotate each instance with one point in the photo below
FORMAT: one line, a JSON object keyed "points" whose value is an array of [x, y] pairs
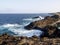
{"points": [[49, 31], [30, 26]]}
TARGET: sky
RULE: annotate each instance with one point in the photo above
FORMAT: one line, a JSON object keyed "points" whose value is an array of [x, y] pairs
{"points": [[29, 6]]}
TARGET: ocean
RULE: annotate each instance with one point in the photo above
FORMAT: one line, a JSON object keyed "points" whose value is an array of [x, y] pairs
{"points": [[13, 24]]}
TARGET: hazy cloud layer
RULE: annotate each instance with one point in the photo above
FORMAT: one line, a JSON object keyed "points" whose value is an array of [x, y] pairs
{"points": [[29, 6]]}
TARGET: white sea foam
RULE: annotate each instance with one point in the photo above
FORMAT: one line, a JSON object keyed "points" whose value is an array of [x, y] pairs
{"points": [[19, 30], [34, 19]]}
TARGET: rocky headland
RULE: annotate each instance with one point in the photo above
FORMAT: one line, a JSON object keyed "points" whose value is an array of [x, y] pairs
{"points": [[50, 25]]}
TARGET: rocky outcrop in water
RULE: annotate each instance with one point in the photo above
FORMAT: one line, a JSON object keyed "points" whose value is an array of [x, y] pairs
{"points": [[49, 26], [42, 23]]}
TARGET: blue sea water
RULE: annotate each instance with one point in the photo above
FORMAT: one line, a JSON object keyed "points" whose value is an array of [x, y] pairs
{"points": [[13, 24]]}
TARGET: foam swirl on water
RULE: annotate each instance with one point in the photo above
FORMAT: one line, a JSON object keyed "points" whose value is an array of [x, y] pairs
{"points": [[18, 30]]}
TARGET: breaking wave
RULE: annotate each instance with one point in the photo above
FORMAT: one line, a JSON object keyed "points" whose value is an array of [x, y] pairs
{"points": [[18, 30], [34, 18]]}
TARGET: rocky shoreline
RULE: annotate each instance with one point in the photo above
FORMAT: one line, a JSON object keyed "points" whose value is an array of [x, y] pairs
{"points": [[6, 39], [50, 25]]}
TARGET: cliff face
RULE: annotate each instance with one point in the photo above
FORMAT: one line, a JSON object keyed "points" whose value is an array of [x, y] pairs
{"points": [[49, 26]]}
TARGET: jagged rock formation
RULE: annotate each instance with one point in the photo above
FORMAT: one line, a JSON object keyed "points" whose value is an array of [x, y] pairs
{"points": [[42, 23], [49, 26]]}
